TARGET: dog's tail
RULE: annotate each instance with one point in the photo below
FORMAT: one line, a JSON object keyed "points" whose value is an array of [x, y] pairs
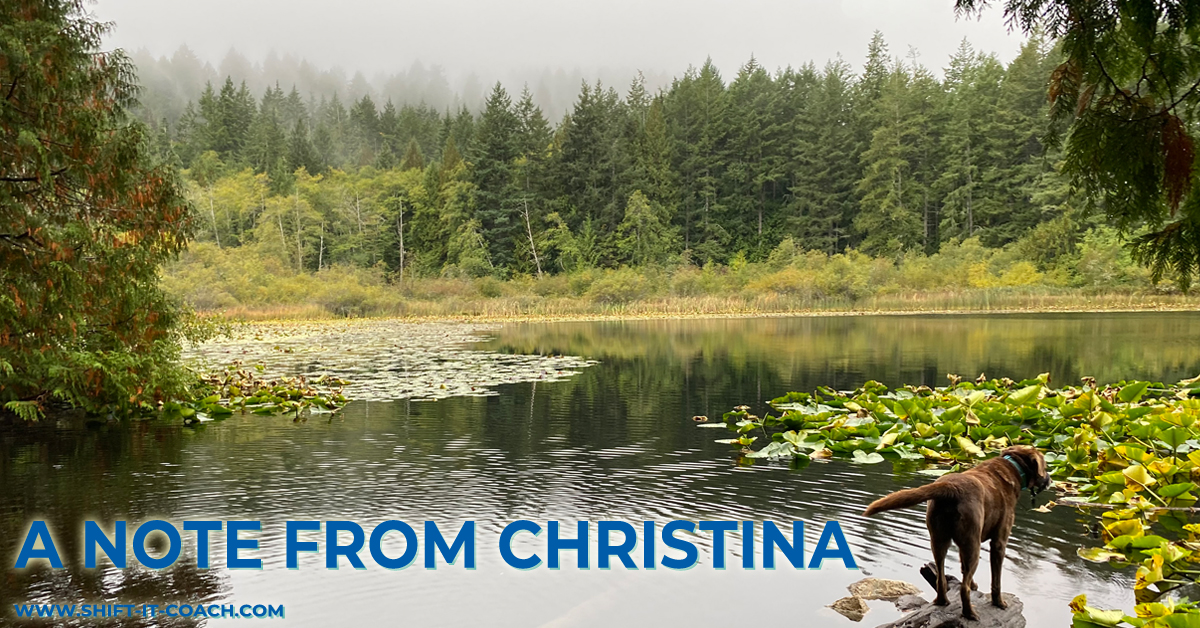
{"points": [[911, 497]]}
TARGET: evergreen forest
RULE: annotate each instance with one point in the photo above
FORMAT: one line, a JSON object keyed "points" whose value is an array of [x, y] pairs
{"points": [[889, 165]]}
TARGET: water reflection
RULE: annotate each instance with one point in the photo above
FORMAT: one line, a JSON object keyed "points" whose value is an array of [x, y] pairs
{"points": [[69, 474], [803, 353], [614, 442]]}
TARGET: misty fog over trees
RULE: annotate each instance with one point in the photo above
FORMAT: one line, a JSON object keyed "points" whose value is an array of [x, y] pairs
{"points": [[172, 81], [887, 159]]}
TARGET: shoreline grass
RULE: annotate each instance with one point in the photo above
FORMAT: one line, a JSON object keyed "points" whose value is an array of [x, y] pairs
{"points": [[251, 284], [529, 309], [961, 278]]}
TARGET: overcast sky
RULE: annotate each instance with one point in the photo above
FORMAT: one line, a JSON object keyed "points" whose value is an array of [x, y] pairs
{"points": [[491, 36]]}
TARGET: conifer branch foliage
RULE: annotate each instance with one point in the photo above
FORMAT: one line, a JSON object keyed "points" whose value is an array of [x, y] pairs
{"points": [[85, 220], [1126, 97]]}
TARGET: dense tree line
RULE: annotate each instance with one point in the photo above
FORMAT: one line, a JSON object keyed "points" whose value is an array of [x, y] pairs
{"points": [[889, 160]]}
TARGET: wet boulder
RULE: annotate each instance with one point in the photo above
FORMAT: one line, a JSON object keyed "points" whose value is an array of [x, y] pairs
{"points": [[882, 589], [851, 607]]}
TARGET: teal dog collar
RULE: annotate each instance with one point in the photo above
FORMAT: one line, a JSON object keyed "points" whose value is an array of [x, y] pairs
{"points": [[1016, 465]]}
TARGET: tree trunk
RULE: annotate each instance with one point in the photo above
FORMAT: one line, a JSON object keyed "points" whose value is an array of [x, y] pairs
{"points": [[761, 202], [282, 234], [532, 246], [299, 236], [213, 212], [925, 217], [970, 187], [400, 232]]}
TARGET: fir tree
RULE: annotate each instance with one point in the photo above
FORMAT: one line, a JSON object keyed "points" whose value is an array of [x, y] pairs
{"points": [[301, 153], [889, 220], [496, 147], [364, 131], [645, 231], [754, 159], [413, 159], [267, 148], [825, 149]]}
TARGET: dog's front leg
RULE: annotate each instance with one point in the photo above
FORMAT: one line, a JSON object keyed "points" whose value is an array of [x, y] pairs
{"points": [[969, 555], [999, 545]]}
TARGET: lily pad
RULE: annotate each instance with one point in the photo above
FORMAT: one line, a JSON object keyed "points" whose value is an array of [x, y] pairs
{"points": [[862, 457], [384, 359]]}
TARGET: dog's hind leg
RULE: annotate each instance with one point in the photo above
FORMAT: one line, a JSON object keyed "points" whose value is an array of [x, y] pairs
{"points": [[999, 544], [940, 548], [969, 556]]}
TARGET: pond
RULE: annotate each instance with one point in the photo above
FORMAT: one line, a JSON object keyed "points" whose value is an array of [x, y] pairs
{"points": [[612, 439]]}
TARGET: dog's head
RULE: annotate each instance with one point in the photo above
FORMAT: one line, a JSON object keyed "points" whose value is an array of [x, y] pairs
{"points": [[1033, 463]]}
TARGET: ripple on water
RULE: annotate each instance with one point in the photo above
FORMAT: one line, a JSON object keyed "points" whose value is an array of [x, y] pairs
{"points": [[615, 441]]}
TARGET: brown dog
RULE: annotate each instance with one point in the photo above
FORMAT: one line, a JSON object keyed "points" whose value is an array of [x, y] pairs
{"points": [[967, 508]]}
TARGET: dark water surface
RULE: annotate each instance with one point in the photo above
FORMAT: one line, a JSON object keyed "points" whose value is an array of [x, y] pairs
{"points": [[614, 442]]}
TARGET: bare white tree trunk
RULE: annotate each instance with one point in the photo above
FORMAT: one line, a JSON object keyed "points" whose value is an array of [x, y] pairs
{"points": [[213, 212], [282, 233], [400, 232], [299, 236], [358, 214], [532, 246]]}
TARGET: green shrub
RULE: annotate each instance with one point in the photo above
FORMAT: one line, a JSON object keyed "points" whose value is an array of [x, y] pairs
{"points": [[353, 292], [852, 275], [783, 255], [250, 277], [581, 281], [790, 281], [1021, 274], [437, 288], [1104, 262], [690, 281], [489, 287], [552, 286], [685, 282], [619, 286]]}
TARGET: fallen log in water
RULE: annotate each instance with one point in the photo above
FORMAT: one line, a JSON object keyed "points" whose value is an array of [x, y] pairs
{"points": [[926, 615]]}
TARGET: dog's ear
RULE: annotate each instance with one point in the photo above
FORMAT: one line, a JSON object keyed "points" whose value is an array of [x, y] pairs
{"points": [[1024, 453], [1043, 473], [1034, 463]]}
